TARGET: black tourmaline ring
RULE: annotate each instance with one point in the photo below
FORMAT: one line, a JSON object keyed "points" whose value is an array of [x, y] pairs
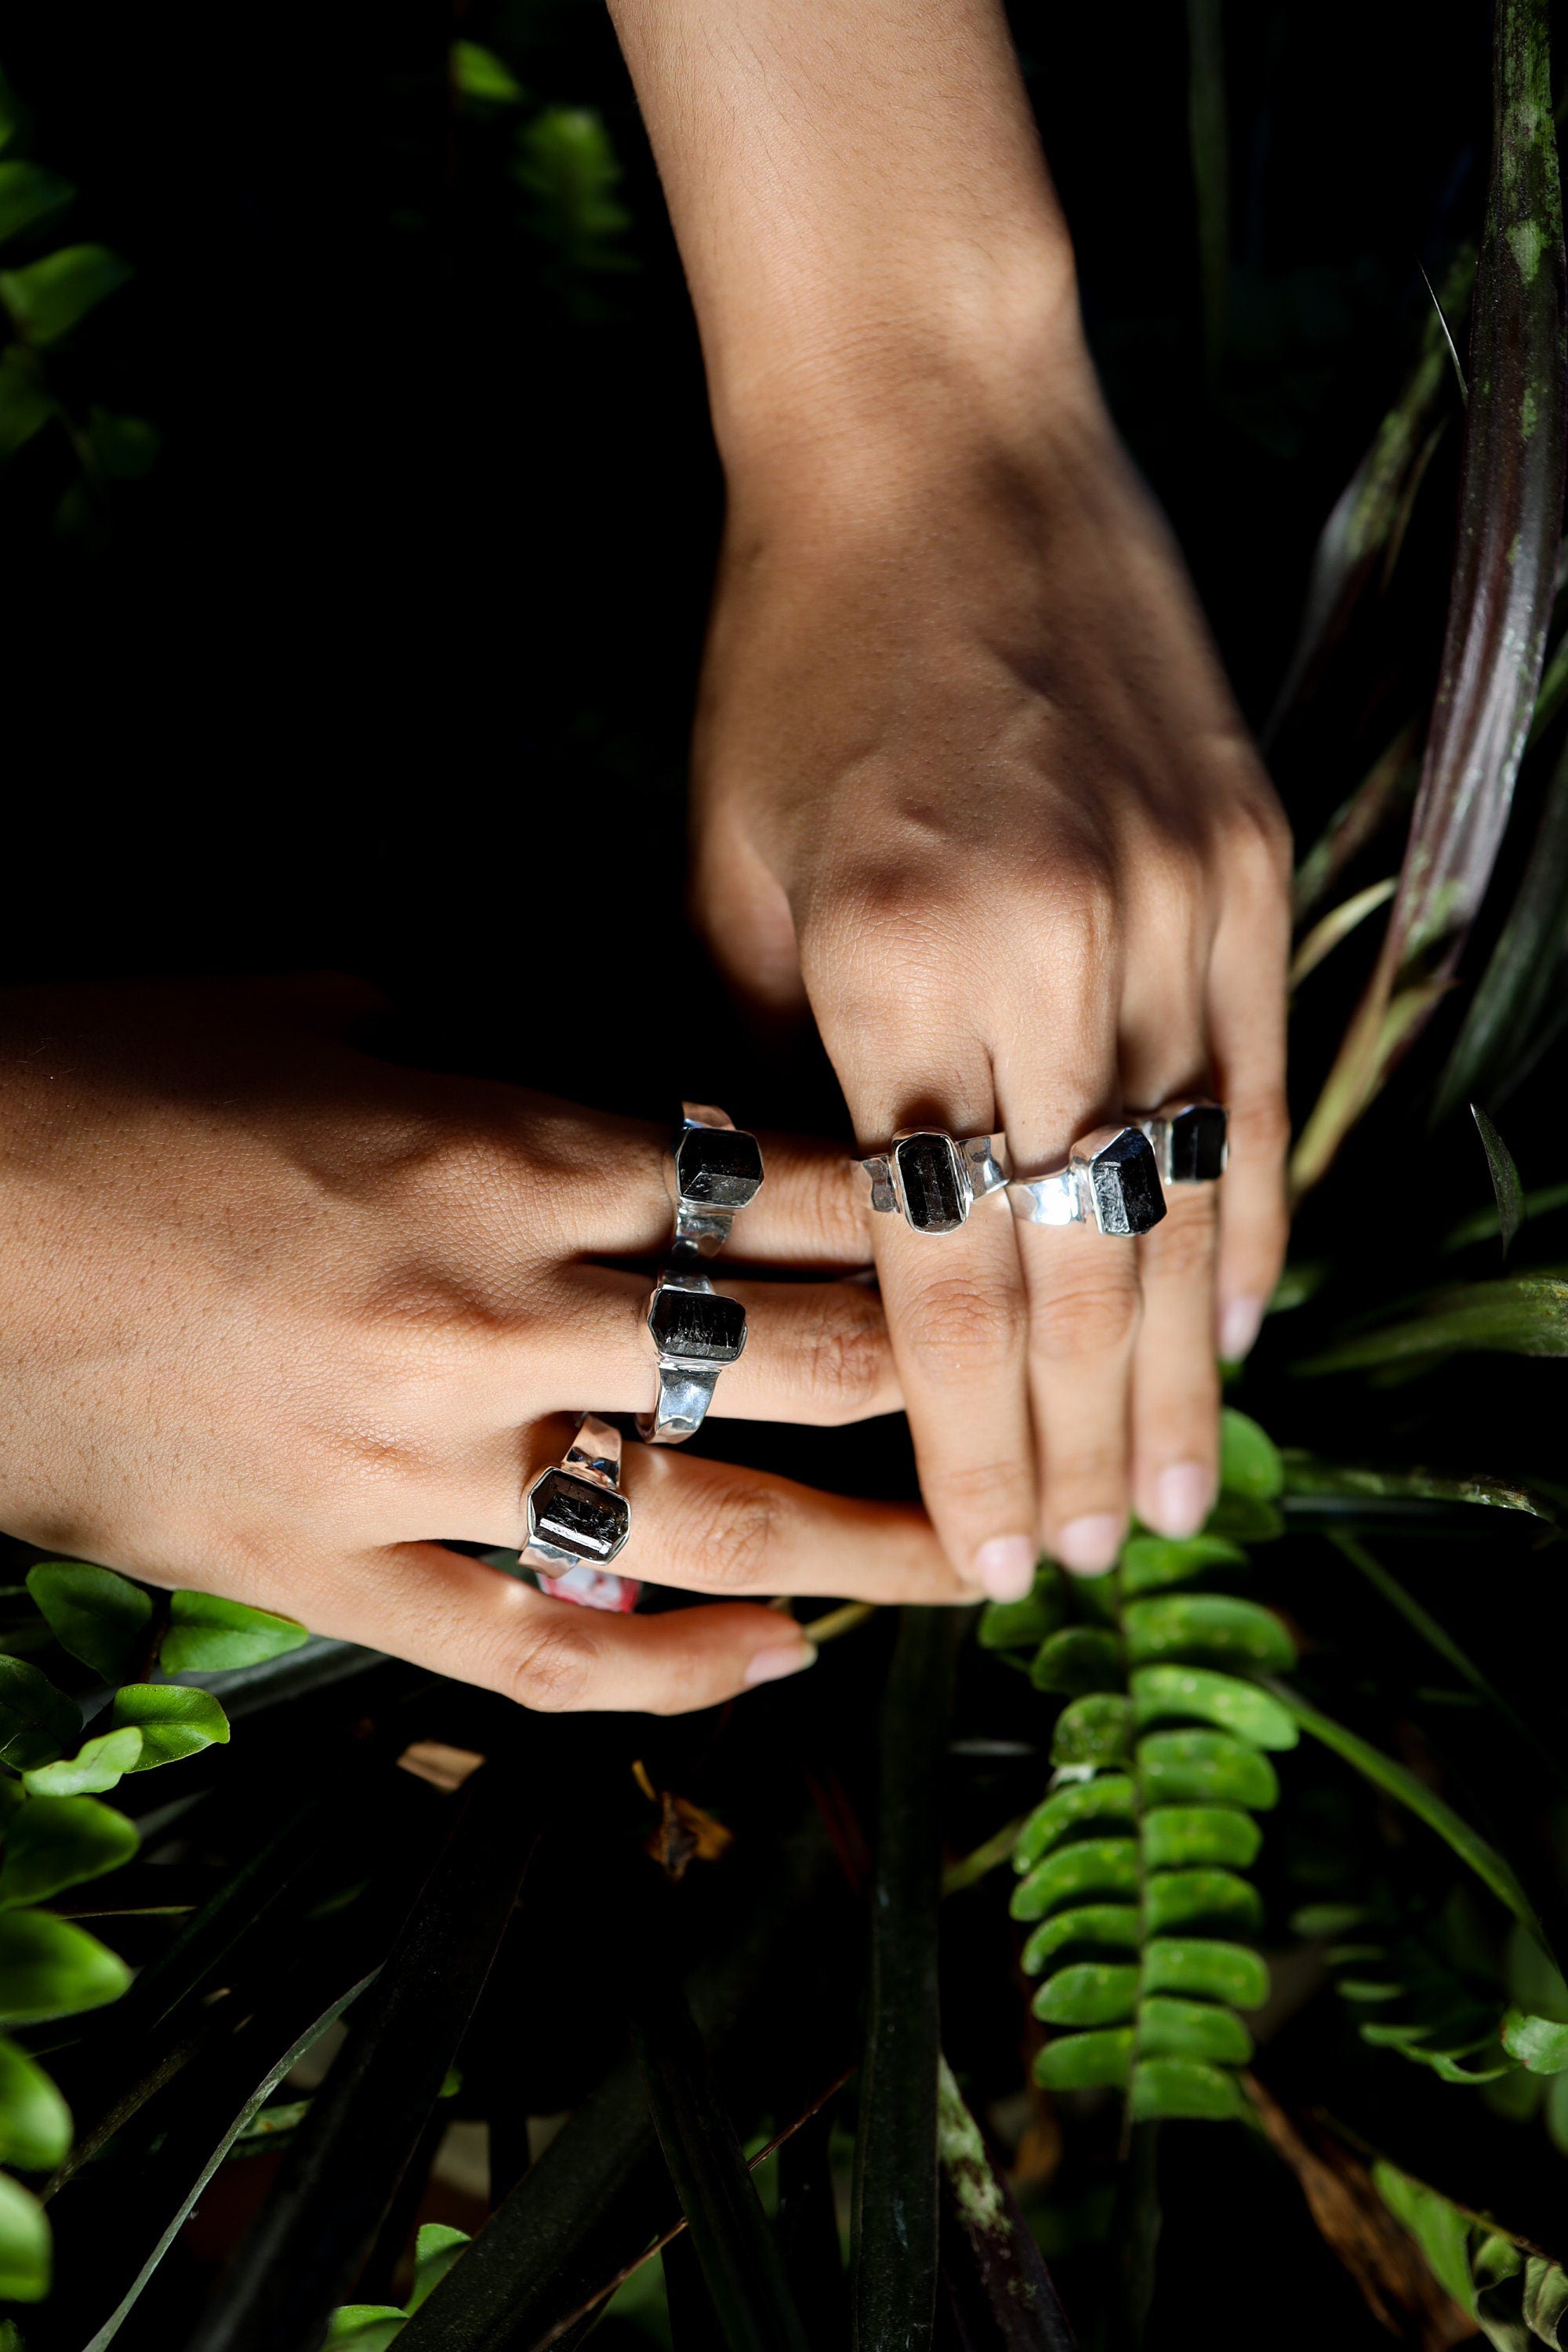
{"points": [[697, 1331], [577, 1516], [1112, 1176], [1190, 1139], [715, 1168], [932, 1180]]}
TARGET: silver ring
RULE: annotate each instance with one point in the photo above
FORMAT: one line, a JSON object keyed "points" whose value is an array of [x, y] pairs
{"points": [[697, 1331], [1191, 1139], [1112, 1175], [713, 1170], [577, 1517], [932, 1180]]}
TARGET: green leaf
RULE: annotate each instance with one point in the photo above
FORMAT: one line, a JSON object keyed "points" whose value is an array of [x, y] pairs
{"points": [[1505, 1185], [35, 2121], [1305, 1475], [1087, 2061], [36, 1721], [1206, 1626], [1241, 1519], [1439, 2230], [25, 2248], [1514, 998], [1522, 1315], [1096, 1927], [480, 74], [1151, 1562], [1168, 2028], [29, 192], [566, 160], [1108, 1796], [1175, 1836], [1249, 1462], [26, 406], [1205, 1768], [1078, 1659], [436, 2249], [174, 1722], [1106, 1865], [56, 1841], [1546, 2302], [48, 298], [97, 1764], [1172, 2089], [1196, 1900], [1231, 1705], [1097, 1730], [50, 1967], [364, 2327], [1092, 1992], [1025, 1625], [100, 1617], [1540, 2043], [208, 1635], [1206, 1969]]}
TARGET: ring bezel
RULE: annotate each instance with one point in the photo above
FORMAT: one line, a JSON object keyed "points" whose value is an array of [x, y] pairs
{"points": [[564, 1508]]}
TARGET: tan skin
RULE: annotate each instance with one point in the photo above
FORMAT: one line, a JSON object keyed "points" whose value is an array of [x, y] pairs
{"points": [[969, 782], [277, 1318]]}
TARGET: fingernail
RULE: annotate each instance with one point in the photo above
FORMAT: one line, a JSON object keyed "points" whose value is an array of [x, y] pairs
{"points": [[1239, 1322], [1088, 1545], [1183, 1497], [772, 1665], [1005, 1568]]}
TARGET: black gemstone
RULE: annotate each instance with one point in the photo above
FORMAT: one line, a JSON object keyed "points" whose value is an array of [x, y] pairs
{"points": [[697, 1324], [588, 1521], [718, 1167], [928, 1169], [1126, 1180], [1197, 1144]]}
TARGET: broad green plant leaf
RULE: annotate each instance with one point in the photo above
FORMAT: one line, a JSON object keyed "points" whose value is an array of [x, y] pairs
{"points": [[436, 2249], [24, 2248], [1073, 1873], [35, 2121], [36, 1721], [1077, 1660], [1250, 1461], [1025, 1625], [1177, 2089], [1092, 1927], [1231, 1705], [480, 74], [1097, 1730], [1205, 1969], [1441, 2230], [50, 1967], [1087, 2061], [1201, 2030], [1206, 1626], [1109, 1797], [173, 1721], [566, 163], [208, 1634], [1152, 1563], [1180, 1837], [53, 1842], [100, 1617], [1505, 1185], [1091, 1992], [1546, 2302], [29, 192], [1201, 1902], [1540, 2043], [50, 297], [98, 1764], [1205, 1768], [364, 2327]]}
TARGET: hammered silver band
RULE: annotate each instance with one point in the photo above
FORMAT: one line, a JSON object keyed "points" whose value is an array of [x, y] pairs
{"points": [[713, 1170], [1191, 1139], [934, 1179], [1111, 1179], [697, 1331]]}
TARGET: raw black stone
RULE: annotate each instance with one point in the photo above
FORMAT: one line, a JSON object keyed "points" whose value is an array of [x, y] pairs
{"points": [[587, 1520], [718, 1167], [928, 1168], [1197, 1144], [1126, 1180], [699, 1324]]}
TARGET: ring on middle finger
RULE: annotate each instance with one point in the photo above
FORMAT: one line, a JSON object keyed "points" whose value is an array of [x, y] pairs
{"points": [[932, 1180], [697, 1331], [1111, 1179]]}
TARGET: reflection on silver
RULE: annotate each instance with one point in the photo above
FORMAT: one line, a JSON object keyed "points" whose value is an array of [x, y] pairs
{"points": [[1191, 1139], [715, 1168], [1110, 1176], [932, 1180], [697, 1332]]}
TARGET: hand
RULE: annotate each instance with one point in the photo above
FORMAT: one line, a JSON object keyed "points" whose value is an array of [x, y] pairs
{"points": [[970, 783], [274, 1317]]}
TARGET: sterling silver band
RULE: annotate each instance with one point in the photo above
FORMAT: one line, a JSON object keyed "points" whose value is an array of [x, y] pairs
{"points": [[1112, 1176], [1191, 1139], [713, 1170], [932, 1180], [576, 1513], [697, 1331]]}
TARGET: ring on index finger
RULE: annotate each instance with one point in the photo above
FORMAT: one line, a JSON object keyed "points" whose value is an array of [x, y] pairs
{"points": [[932, 1180], [1189, 1137], [1111, 1179]]}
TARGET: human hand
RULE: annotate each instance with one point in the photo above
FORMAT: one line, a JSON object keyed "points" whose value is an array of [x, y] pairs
{"points": [[275, 1316]]}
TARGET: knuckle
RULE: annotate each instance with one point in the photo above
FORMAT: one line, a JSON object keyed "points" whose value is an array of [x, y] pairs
{"points": [[727, 1534], [1256, 838], [1090, 1321], [970, 1490], [552, 1672], [847, 1358], [967, 1329], [1180, 1249], [1087, 1467]]}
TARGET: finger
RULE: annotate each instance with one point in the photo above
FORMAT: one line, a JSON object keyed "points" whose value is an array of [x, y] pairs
{"points": [[815, 1352], [1084, 1310], [440, 1609], [1247, 1028], [1176, 1376]]}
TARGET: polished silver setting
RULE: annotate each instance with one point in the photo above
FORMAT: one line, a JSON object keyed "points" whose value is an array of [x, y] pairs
{"points": [[577, 1514], [697, 1331], [714, 1169], [1191, 1139], [1112, 1178], [932, 1180]]}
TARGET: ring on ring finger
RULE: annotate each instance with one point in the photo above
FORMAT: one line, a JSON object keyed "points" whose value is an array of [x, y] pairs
{"points": [[932, 1180], [1189, 1137], [1112, 1178]]}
